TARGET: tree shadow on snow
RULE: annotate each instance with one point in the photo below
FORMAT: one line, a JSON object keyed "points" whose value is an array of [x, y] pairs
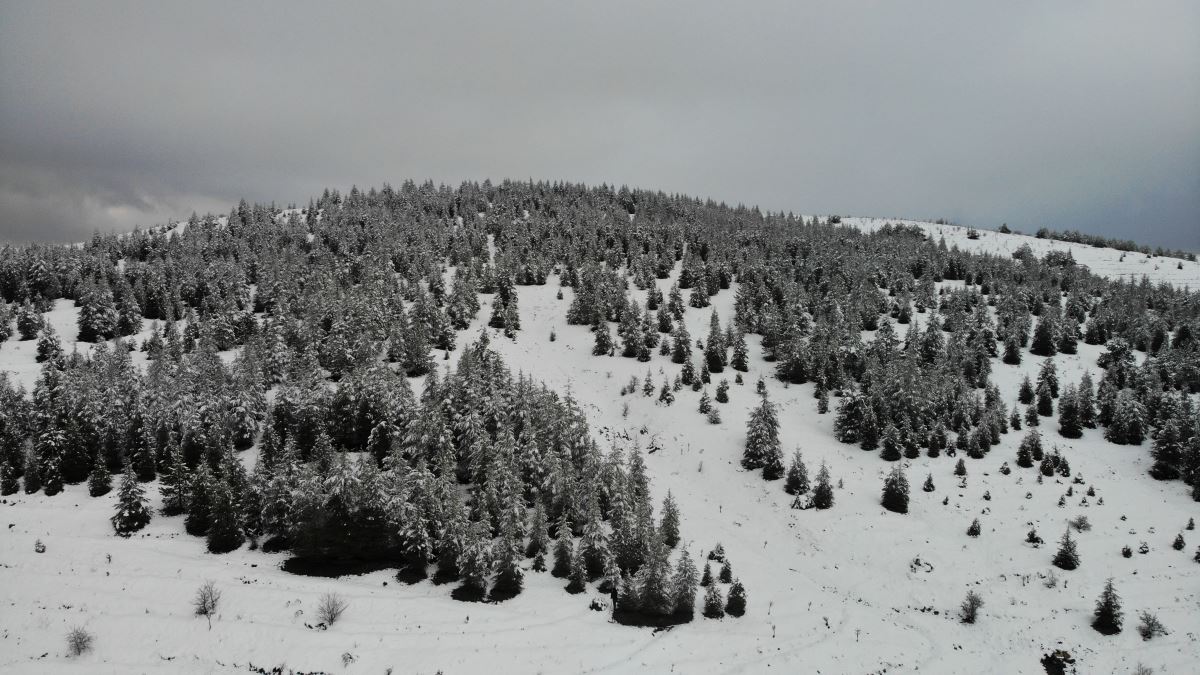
{"points": [[640, 620], [322, 567]]}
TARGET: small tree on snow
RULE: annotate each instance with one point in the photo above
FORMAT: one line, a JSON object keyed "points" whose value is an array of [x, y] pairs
{"points": [[132, 512], [736, 604], [969, 610], [895, 491], [974, 528], [99, 480], [1067, 557], [79, 641], [331, 608], [669, 526], [762, 441], [1150, 627], [1108, 611], [797, 476], [714, 605], [206, 601], [823, 492]]}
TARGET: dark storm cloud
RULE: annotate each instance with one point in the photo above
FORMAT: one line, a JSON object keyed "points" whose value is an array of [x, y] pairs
{"points": [[1070, 115]]}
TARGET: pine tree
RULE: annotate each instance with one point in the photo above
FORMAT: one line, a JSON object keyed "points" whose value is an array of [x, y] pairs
{"points": [[723, 391], [1025, 393], [1067, 557], [29, 321], [1012, 351], [133, 513], [1044, 338], [666, 395], [1045, 402], [1069, 423], [577, 577], [797, 476], [726, 573], [224, 531], [475, 563], [99, 480], [928, 486], [175, 480], [1108, 611], [762, 441], [539, 539], [33, 474], [681, 345], [823, 492], [687, 374], [669, 527], [1030, 448], [706, 579], [736, 604], [740, 360], [974, 528], [684, 585], [8, 480], [714, 604], [891, 450], [564, 550], [895, 491], [48, 345], [200, 502]]}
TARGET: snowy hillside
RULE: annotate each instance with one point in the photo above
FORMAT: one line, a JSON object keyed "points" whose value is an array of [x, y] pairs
{"points": [[852, 589], [1129, 266]]}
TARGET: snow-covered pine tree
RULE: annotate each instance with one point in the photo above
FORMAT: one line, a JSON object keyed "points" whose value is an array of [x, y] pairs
{"points": [[669, 525], [762, 441], [224, 531], [714, 604], [1067, 557], [823, 490], [736, 604], [133, 513], [796, 482], [99, 480], [684, 585], [895, 491], [1108, 615], [200, 502]]}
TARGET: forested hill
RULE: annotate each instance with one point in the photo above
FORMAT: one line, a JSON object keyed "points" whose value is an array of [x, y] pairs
{"points": [[337, 381]]}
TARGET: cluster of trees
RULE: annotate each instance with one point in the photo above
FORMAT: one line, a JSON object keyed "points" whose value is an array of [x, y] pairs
{"points": [[330, 309], [1077, 237], [476, 475]]}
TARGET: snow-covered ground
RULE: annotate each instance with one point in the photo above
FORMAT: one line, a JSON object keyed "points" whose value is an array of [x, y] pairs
{"points": [[835, 591]]}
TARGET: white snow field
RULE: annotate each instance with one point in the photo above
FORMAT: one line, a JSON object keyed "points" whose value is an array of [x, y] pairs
{"points": [[837, 591]]}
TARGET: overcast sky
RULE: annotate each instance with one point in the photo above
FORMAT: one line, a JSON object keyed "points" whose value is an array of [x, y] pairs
{"points": [[1064, 114]]}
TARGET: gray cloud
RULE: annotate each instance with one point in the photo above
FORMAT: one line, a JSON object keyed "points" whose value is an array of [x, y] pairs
{"points": [[1066, 115]]}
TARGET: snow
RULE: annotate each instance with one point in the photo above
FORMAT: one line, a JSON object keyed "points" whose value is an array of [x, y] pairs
{"points": [[829, 591]]}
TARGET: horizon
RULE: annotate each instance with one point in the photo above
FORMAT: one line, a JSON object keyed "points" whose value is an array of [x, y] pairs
{"points": [[1026, 114]]}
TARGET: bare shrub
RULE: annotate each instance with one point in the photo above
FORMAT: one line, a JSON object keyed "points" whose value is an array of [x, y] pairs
{"points": [[970, 607], [206, 601], [331, 608], [1150, 627], [79, 641], [1081, 524]]}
